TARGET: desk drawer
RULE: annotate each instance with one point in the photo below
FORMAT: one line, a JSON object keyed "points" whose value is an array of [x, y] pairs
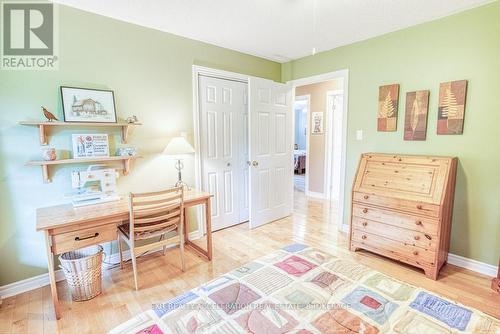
{"points": [[395, 218], [393, 249], [407, 237], [77, 239], [420, 208]]}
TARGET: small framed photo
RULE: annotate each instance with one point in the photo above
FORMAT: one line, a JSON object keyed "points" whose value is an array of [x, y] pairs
{"points": [[90, 145], [88, 105], [317, 123]]}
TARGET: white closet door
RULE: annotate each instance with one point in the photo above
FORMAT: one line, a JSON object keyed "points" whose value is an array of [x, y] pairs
{"points": [[271, 141], [223, 108]]}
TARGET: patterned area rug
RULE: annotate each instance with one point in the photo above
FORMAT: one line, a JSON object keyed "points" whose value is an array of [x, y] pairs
{"points": [[300, 289]]}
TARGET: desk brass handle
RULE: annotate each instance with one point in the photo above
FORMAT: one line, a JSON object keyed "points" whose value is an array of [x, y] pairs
{"points": [[89, 237], [365, 223], [428, 236], [420, 207], [416, 237], [415, 253], [365, 210], [419, 223], [366, 197], [363, 237]]}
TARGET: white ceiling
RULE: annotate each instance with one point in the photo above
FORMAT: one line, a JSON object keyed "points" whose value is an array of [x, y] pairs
{"points": [[279, 30]]}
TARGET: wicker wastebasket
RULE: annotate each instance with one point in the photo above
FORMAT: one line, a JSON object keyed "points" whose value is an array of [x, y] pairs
{"points": [[83, 271]]}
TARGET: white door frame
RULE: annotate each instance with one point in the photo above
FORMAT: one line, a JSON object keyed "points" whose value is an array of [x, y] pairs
{"points": [[341, 74], [329, 120], [220, 74], [307, 98]]}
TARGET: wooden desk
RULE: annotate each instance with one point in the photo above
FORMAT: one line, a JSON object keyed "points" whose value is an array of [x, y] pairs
{"points": [[67, 228]]}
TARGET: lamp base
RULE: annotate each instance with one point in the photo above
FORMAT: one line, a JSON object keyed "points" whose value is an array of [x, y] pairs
{"points": [[183, 184]]}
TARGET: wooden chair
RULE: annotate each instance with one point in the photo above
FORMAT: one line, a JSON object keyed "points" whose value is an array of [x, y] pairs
{"points": [[153, 215]]}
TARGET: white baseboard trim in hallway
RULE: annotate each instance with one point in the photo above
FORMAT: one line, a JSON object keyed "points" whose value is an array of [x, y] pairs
{"points": [[42, 280], [460, 261]]}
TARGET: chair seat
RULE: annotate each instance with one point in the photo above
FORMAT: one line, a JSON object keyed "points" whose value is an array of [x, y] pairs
{"points": [[125, 229]]}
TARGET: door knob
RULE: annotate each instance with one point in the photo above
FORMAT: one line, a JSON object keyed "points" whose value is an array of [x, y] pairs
{"points": [[228, 164], [249, 163], [255, 163]]}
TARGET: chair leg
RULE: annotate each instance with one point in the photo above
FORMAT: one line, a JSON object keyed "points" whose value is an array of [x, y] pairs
{"points": [[121, 251], [134, 266], [181, 246]]}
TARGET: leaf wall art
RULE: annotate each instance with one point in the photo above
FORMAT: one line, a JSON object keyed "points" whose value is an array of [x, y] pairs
{"points": [[417, 107], [452, 97], [388, 100]]}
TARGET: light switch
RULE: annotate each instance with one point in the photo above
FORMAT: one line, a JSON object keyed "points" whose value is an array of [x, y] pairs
{"points": [[359, 134]]}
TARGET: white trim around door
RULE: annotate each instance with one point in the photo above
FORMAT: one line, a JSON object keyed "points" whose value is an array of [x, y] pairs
{"points": [[341, 74]]}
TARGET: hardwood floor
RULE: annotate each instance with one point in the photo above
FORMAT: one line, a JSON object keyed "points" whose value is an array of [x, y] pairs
{"points": [[160, 277]]}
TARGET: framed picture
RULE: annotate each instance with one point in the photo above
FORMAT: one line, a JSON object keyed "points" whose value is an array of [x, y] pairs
{"points": [[452, 96], [90, 145], [317, 123], [388, 101], [417, 107], [88, 105]]}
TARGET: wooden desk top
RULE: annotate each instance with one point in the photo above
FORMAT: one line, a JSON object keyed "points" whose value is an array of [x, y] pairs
{"points": [[66, 214]]}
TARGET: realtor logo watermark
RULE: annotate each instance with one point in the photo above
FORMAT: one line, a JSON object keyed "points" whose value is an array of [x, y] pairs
{"points": [[29, 36]]}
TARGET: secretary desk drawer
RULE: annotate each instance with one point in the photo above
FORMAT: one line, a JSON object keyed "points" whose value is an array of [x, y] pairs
{"points": [[394, 218], [409, 237], [426, 209], [393, 249], [77, 239]]}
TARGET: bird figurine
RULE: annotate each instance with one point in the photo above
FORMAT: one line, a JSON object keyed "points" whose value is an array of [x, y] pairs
{"points": [[50, 116]]}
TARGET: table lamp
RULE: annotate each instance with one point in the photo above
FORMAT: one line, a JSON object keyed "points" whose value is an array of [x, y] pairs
{"points": [[177, 147]]}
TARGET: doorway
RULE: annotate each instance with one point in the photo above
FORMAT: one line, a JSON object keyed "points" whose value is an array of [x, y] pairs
{"points": [[301, 112], [324, 99]]}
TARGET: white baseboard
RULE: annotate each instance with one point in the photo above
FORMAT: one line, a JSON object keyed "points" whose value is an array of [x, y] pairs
{"points": [[315, 194], [39, 281], [480, 267]]}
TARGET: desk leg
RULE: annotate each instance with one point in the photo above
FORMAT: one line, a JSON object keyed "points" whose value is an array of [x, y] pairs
{"points": [[208, 217], [208, 223], [52, 277]]}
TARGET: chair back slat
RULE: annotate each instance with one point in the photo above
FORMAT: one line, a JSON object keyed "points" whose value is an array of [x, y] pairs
{"points": [[156, 211]]}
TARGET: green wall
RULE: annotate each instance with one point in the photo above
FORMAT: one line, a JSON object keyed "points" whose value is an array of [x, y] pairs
{"points": [[150, 72], [463, 46]]}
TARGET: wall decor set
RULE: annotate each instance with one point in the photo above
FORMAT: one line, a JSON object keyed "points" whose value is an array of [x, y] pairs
{"points": [[452, 97]]}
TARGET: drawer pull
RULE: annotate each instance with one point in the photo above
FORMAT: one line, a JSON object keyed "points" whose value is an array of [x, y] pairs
{"points": [[89, 237], [416, 237], [365, 223], [418, 223], [428, 236], [366, 197], [365, 210], [415, 252], [363, 237], [420, 207]]}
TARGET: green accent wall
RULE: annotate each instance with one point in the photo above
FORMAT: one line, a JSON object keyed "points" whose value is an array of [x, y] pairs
{"points": [[462, 46], [150, 72]]}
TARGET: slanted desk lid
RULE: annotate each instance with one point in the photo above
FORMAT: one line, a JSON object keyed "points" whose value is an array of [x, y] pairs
{"points": [[415, 178]]}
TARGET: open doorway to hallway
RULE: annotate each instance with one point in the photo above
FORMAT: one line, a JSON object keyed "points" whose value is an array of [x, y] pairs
{"points": [[301, 108], [320, 133]]}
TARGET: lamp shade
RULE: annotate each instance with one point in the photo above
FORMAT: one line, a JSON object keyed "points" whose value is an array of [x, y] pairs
{"points": [[178, 146]]}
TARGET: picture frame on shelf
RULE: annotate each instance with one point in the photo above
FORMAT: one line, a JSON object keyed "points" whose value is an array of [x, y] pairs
{"points": [[86, 146], [88, 105]]}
